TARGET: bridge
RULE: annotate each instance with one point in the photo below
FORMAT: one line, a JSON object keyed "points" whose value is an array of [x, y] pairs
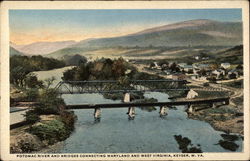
{"points": [[127, 87], [115, 86]]}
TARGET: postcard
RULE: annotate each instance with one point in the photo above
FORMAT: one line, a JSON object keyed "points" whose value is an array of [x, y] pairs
{"points": [[125, 80]]}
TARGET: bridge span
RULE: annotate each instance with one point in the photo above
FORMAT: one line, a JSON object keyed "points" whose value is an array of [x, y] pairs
{"points": [[116, 86]]}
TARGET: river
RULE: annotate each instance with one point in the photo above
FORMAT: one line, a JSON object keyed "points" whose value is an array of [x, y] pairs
{"points": [[147, 133]]}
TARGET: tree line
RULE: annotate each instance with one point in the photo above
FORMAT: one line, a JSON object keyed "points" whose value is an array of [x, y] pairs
{"points": [[22, 66]]}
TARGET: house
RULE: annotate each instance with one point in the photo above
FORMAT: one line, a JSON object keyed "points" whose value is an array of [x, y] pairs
{"points": [[197, 57], [205, 58], [225, 65], [201, 66], [188, 68], [181, 65], [179, 76], [191, 94], [185, 67], [219, 72]]}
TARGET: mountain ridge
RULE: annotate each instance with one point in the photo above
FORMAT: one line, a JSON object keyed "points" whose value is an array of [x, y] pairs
{"points": [[193, 32], [42, 47]]}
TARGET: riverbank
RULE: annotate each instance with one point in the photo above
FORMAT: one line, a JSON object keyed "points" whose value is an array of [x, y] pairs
{"points": [[50, 130], [224, 118], [227, 118], [46, 122]]}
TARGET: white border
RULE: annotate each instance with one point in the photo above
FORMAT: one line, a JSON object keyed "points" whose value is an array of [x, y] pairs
{"points": [[5, 6]]}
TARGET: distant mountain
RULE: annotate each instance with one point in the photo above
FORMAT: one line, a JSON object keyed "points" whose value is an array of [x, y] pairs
{"points": [[187, 33], [14, 52], [42, 48], [183, 34]]}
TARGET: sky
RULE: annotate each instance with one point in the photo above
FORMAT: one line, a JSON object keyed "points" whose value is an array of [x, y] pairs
{"points": [[29, 26]]}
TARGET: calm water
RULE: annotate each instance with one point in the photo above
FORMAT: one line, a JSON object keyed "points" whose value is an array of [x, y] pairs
{"points": [[146, 133]]}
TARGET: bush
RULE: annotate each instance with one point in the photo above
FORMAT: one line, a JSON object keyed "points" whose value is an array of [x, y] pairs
{"points": [[52, 131], [49, 102], [31, 81], [68, 118], [31, 116], [32, 94]]}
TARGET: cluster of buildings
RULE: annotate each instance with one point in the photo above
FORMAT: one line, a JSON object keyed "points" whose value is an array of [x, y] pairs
{"points": [[199, 71]]}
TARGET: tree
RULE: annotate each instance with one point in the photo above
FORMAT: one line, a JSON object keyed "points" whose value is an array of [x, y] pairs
{"points": [[232, 76], [239, 67], [118, 68], [214, 66], [17, 75], [49, 81], [69, 74], [75, 60], [174, 67], [202, 72], [31, 81]]}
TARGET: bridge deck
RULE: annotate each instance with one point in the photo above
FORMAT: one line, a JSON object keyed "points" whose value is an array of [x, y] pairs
{"points": [[131, 104]]}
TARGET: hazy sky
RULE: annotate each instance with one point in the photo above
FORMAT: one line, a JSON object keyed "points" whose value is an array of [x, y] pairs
{"points": [[28, 26]]}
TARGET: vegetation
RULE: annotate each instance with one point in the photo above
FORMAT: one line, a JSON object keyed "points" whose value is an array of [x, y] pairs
{"points": [[102, 69], [21, 66], [56, 129], [107, 69], [74, 60], [52, 131], [49, 103]]}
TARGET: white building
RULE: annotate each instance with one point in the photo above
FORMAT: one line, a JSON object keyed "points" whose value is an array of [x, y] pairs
{"points": [[219, 72], [225, 65], [191, 94], [188, 68]]}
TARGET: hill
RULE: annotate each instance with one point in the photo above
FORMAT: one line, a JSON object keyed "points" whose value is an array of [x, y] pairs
{"points": [[42, 48], [14, 52], [186, 34]]}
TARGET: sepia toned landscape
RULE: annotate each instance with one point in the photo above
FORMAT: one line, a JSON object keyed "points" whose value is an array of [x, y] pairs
{"points": [[126, 81]]}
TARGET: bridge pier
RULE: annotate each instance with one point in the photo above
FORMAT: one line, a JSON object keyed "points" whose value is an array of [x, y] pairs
{"points": [[97, 114], [131, 113], [131, 110], [190, 109], [213, 105], [163, 111]]}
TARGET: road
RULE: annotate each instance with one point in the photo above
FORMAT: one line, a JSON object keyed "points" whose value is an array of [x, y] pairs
{"points": [[17, 114]]}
